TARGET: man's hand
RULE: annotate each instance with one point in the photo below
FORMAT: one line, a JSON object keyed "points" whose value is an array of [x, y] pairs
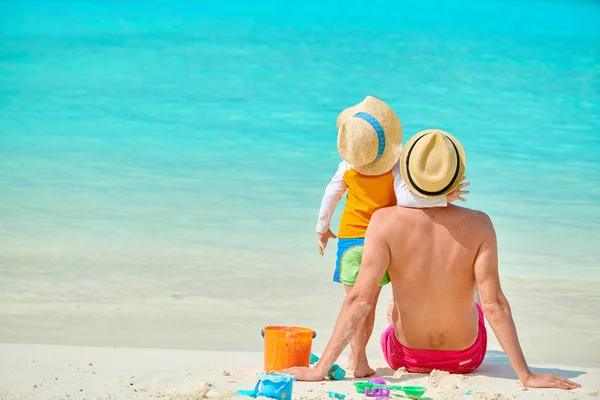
{"points": [[322, 239], [305, 374], [549, 381], [457, 193]]}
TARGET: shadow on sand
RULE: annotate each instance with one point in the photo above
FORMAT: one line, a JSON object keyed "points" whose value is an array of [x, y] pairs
{"points": [[495, 365]]}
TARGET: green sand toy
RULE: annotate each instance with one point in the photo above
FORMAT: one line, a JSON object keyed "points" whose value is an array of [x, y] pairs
{"points": [[412, 392]]}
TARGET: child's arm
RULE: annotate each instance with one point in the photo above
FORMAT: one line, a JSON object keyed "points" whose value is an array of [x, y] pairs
{"points": [[333, 193], [406, 198]]}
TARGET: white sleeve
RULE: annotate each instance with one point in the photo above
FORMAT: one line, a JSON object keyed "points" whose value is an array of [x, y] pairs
{"points": [[333, 193], [406, 198]]}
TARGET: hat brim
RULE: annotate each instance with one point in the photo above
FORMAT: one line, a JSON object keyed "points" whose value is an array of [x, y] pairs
{"points": [[385, 163], [462, 163]]}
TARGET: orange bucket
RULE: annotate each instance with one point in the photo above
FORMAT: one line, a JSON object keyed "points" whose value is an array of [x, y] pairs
{"points": [[287, 346]]}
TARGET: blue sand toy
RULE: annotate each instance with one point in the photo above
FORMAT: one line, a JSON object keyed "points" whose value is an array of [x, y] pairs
{"points": [[335, 395], [274, 386], [335, 373]]}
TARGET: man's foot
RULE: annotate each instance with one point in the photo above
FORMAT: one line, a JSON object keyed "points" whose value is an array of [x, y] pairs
{"points": [[363, 370]]}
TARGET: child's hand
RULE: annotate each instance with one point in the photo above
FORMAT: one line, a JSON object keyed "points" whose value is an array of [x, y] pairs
{"points": [[457, 193], [322, 239]]}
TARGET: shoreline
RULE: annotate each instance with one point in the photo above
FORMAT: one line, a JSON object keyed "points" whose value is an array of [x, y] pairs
{"points": [[546, 312], [32, 371]]}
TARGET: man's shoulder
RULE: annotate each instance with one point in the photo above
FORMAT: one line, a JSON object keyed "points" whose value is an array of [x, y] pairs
{"points": [[390, 215], [381, 215], [395, 212], [386, 211], [466, 209], [475, 217], [482, 216]]}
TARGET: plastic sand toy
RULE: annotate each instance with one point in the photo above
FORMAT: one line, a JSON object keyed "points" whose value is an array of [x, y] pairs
{"points": [[377, 392], [335, 395], [286, 347], [274, 386], [412, 392]]}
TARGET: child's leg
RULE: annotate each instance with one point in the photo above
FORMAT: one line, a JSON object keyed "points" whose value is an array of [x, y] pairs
{"points": [[357, 360], [362, 337], [349, 266], [353, 342]]}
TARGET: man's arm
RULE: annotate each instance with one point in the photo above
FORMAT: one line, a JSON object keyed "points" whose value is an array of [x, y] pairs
{"points": [[497, 311], [358, 303]]}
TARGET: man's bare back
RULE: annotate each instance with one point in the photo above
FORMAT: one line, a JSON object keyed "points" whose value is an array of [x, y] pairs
{"points": [[432, 255], [435, 259]]}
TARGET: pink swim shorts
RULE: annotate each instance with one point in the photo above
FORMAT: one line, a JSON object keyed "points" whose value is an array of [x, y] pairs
{"points": [[424, 361]]}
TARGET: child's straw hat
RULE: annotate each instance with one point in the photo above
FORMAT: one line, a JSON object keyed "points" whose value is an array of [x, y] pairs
{"points": [[370, 136]]}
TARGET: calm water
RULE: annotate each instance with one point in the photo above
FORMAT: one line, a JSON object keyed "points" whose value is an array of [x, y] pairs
{"points": [[177, 154]]}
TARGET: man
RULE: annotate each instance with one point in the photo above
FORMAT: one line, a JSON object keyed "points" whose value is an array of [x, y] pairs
{"points": [[436, 259]]}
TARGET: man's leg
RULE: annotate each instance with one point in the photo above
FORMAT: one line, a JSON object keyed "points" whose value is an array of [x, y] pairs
{"points": [[357, 360]]}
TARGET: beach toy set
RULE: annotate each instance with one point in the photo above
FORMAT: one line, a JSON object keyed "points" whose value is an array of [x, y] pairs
{"points": [[291, 346], [273, 386], [379, 389], [287, 347]]}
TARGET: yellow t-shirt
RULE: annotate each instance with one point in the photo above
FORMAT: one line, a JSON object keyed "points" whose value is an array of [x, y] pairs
{"points": [[366, 194]]}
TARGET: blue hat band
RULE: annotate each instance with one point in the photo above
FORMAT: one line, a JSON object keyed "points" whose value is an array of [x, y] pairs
{"points": [[378, 129]]}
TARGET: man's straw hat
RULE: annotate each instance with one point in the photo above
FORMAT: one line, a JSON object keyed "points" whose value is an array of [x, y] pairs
{"points": [[370, 136], [433, 163]]}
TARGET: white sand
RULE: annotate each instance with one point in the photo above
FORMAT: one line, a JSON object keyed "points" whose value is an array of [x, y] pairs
{"points": [[59, 372]]}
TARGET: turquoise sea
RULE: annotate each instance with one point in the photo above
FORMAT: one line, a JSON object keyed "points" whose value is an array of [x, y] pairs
{"points": [[162, 163]]}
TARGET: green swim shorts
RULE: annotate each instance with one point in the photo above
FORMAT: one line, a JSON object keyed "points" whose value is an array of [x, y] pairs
{"points": [[349, 258]]}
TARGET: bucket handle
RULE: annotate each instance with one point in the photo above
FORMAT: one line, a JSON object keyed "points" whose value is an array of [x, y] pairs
{"points": [[262, 333]]}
